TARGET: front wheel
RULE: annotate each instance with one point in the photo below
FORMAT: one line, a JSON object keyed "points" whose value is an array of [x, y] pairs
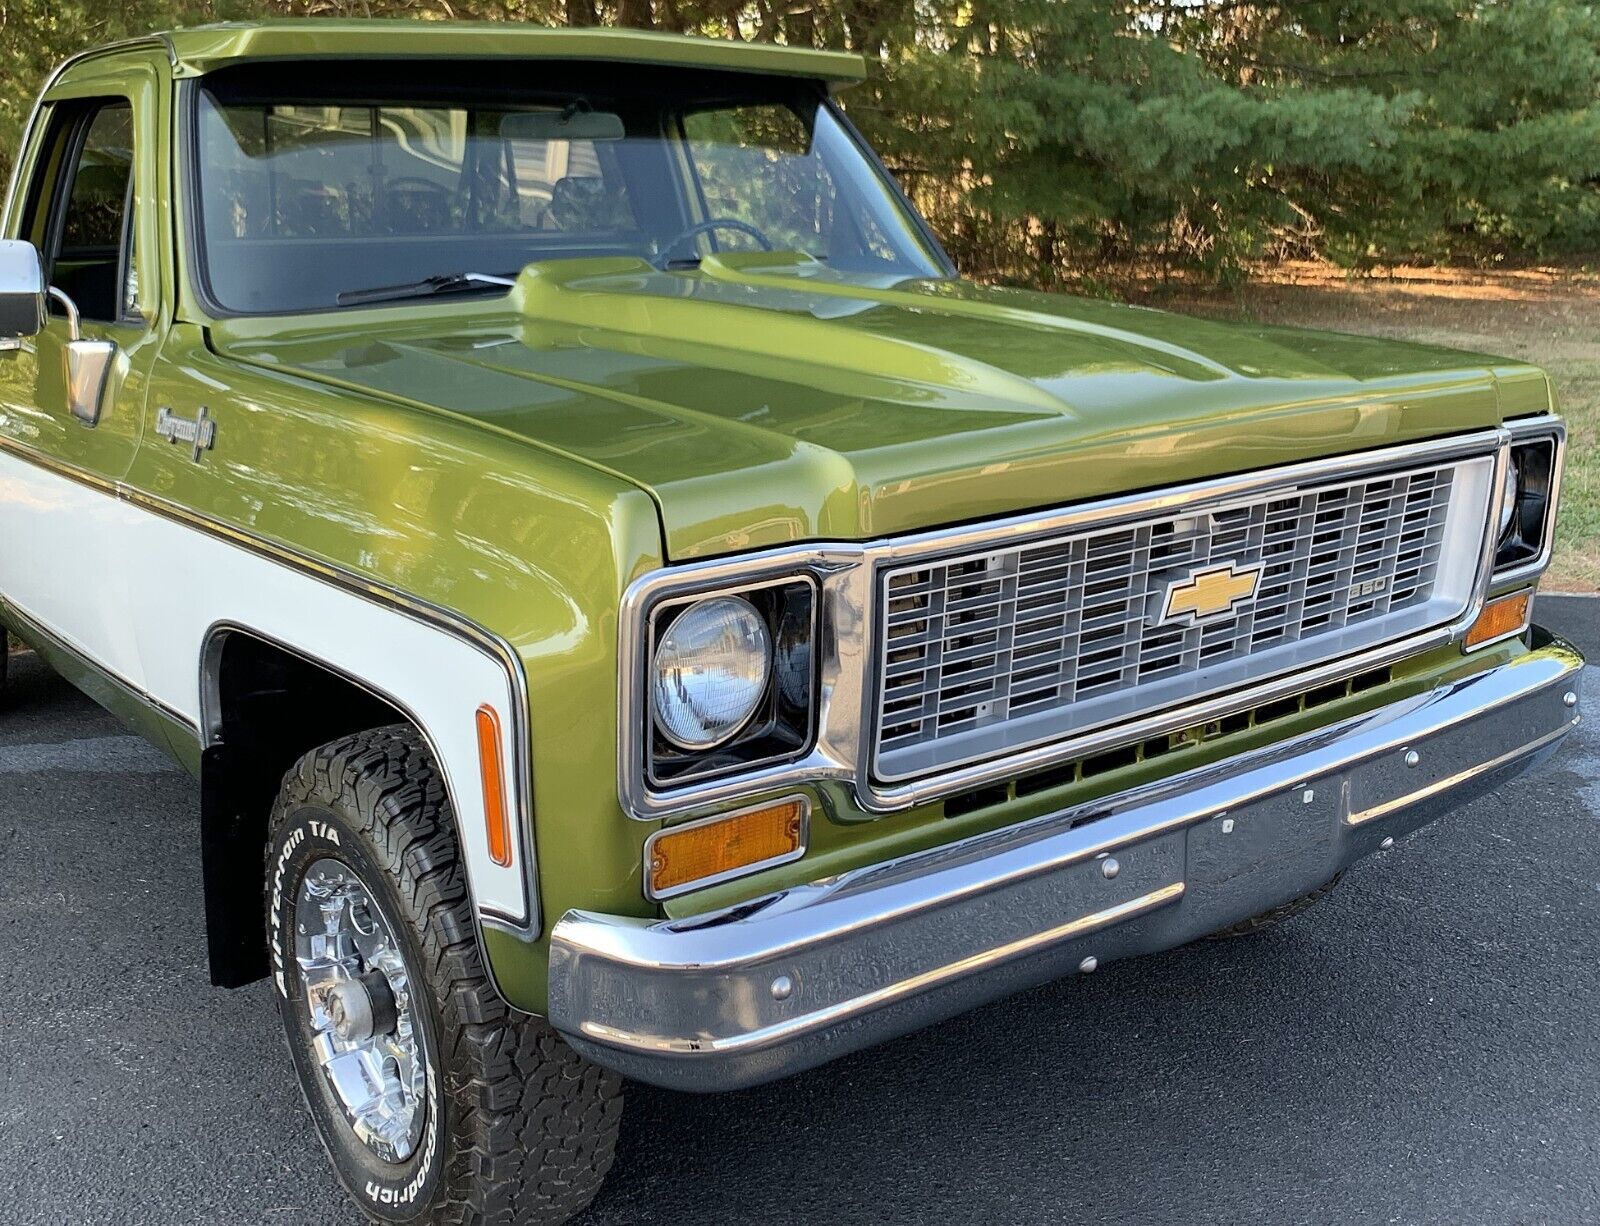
{"points": [[436, 1101]]}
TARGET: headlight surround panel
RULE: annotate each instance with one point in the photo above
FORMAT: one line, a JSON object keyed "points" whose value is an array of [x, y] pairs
{"points": [[1536, 452], [783, 724]]}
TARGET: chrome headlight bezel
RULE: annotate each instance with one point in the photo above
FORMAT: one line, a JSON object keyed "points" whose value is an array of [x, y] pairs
{"points": [[1510, 490], [1534, 460], [781, 725]]}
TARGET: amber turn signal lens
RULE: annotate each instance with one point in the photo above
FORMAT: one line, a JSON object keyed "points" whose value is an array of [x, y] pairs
{"points": [[496, 817], [702, 851], [1500, 619]]}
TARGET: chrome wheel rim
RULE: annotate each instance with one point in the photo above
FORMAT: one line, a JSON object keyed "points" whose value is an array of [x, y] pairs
{"points": [[357, 998]]}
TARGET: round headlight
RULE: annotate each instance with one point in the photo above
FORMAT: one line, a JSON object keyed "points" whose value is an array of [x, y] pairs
{"points": [[1510, 486], [710, 671]]}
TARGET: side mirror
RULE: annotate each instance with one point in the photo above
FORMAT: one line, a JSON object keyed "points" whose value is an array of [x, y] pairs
{"points": [[88, 364], [23, 291], [24, 308]]}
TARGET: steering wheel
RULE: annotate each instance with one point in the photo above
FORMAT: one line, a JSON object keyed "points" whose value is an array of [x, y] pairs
{"points": [[706, 227], [437, 196]]}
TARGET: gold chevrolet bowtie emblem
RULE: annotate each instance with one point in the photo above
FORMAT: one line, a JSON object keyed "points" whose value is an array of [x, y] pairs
{"points": [[1209, 593]]}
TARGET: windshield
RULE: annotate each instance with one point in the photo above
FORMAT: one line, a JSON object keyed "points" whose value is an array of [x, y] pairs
{"points": [[305, 200]]}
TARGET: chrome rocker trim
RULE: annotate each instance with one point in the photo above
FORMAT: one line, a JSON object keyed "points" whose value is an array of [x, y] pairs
{"points": [[778, 985]]}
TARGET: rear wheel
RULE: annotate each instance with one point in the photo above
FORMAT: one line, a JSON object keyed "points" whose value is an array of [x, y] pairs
{"points": [[435, 1100], [1276, 915]]}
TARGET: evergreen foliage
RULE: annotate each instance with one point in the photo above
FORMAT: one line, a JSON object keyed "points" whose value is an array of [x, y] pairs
{"points": [[1051, 137]]}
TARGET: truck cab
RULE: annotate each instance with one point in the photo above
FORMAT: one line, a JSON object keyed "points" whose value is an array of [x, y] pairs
{"points": [[633, 610]]}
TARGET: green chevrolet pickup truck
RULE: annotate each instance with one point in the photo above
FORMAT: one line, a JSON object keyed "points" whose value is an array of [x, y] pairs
{"points": [[634, 611]]}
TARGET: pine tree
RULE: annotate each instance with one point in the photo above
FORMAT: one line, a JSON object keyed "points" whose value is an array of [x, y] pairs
{"points": [[1045, 137]]}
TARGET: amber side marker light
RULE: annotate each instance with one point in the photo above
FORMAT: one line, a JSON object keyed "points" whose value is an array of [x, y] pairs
{"points": [[496, 819], [1500, 619], [702, 853]]}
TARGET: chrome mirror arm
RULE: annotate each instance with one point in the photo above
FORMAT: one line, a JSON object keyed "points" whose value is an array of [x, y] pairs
{"points": [[74, 329], [88, 364]]}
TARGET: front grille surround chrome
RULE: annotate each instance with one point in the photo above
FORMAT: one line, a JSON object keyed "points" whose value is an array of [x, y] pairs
{"points": [[985, 653], [848, 575]]}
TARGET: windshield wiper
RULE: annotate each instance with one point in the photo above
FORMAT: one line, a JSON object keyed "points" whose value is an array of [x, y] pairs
{"points": [[443, 283]]}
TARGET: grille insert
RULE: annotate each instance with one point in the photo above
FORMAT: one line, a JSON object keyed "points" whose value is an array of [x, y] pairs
{"points": [[984, 654], [1176, 745]]}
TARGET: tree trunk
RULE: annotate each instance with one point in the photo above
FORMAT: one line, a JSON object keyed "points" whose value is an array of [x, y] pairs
{"points": [[635, 13]]}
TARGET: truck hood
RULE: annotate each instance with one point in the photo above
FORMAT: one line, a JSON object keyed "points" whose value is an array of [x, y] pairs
{"points": [[763, 400]]}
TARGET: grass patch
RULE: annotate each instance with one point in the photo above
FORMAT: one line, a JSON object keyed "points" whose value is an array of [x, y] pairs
{"points": [[1547, 318]]}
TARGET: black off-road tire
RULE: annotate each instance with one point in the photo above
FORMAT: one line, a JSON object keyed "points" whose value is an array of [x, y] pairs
{"points": [[1276, 915], [520, 1129]]}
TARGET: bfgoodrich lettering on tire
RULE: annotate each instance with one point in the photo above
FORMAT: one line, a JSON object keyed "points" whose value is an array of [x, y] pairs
{"points": [[435, 1100]]}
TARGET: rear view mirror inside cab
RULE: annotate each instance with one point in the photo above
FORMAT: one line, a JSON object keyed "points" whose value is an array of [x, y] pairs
{"points": [[576, 122]]}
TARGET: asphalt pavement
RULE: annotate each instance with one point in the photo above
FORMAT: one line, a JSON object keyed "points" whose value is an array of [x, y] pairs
{"points": [[1423, 1047]]}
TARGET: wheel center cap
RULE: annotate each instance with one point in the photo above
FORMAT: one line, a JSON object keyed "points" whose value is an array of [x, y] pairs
{"points": [[361, 1008]]}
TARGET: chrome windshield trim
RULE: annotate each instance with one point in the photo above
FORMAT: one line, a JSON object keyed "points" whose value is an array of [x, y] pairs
{"points": [[846, 574]]}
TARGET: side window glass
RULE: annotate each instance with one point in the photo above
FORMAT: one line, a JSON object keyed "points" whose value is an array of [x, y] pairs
{"points": [[92, 256]]}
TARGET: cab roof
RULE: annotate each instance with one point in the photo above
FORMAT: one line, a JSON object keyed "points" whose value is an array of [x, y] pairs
{"points": [[202, 49]]}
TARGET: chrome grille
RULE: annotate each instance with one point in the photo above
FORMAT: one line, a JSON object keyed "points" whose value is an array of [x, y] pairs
{"points": [[983, 654]]}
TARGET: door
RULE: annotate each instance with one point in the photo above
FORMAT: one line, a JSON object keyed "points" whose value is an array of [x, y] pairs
{"points": [[86, 196]]}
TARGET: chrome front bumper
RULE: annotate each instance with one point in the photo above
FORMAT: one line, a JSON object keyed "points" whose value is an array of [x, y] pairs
{"points": [[789, 981]]}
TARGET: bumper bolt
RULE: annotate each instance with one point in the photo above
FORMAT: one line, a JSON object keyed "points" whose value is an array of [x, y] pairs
{"points": [[1088, 964], [782, 988], [1413, 758], [1570, 699], [1109, 868]]}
